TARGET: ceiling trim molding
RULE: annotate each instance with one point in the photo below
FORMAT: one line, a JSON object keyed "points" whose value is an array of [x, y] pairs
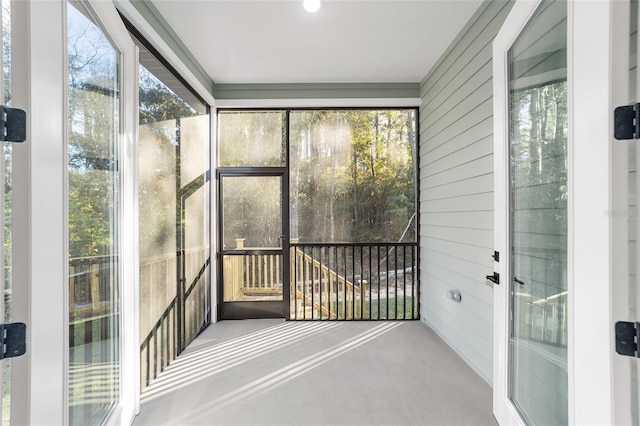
{"points": [[331, 91], [148, 20], [320, 103]]}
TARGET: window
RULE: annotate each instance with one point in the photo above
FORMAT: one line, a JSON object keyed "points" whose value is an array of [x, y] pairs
{"points": [[353, 175], [94, 219], [345, 244], [174, 209]]}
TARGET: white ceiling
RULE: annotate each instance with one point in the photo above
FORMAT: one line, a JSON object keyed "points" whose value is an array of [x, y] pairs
{"points": [[277, 41]]}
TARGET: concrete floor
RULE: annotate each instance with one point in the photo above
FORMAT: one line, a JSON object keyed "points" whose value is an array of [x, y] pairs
{"points": [[272, 372]]}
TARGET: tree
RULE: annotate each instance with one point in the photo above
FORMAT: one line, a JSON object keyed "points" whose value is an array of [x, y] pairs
{"points": [[352, 175]]}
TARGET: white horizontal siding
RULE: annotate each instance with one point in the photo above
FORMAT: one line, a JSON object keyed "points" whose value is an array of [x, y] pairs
{"points": [[482, 183], [456, 190], [473, 202], [458, 250]]}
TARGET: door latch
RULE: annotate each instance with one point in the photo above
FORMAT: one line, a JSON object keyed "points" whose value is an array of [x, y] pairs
{"points": [[495, 278], [627, 338]]}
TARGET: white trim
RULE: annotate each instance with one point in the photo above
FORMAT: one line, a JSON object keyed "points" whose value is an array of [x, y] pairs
{"points": [[620, 92], [39, 199], [522, 11], [589, 174], [40, 254], [163, 48], [129, 332], [320, 103], [213, 213]]}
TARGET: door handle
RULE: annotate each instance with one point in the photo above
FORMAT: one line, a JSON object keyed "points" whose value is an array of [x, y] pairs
{"points": [[518, 281], [495, 278]]}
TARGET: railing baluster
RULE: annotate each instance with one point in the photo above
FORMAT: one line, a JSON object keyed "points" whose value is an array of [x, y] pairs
{"points": [[415, 294], [353, 282], [312, 282], [294, 283], [345, 296], [363, 290], [387, 274], [404, 282], [378, 279], [395, 280], [335, 281], [305, 280], [370, 284], [148, 375], [320, 281]]}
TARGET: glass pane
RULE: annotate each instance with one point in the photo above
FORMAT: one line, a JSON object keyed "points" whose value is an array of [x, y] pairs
{"points": [[157, 225], [252, 219], [93, 221], [352, 176], [252, 139], [538, 156], [173, 175], [251, 212], [196, 258]]}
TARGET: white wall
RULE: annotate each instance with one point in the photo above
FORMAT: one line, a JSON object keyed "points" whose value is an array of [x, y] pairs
{"points": [[456, 190]]}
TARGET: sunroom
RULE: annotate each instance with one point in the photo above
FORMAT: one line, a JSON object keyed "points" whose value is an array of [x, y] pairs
{"points": [[446, 167]]}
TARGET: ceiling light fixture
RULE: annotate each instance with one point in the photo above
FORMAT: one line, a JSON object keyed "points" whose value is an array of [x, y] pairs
{"points": [[312, 6]]}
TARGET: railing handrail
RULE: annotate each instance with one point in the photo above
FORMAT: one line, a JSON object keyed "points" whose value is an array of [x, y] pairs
{"points": [[92, 260], [170, 255], [342, 244]]}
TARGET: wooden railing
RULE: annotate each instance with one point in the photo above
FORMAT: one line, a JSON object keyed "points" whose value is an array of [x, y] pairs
{"points": [[90, 286], [251, 275]]}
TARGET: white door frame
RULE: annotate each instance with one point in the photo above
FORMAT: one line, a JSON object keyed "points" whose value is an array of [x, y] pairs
{"points": [[591, 347], [520, 14], [621, 200], [589, 230], [40, 249]]}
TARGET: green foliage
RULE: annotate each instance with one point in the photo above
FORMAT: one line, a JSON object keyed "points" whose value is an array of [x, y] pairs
{"points": [[352, 175], [92, 150], [157, 102], [252, 139]]}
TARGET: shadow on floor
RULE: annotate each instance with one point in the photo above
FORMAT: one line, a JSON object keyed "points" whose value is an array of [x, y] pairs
{"points": [[271, 372]]}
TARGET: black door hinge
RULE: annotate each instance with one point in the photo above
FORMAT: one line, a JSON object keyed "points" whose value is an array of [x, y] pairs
{"points": [[14, 124], [496, 256], [14, 339], [626, 122], [627, 338]]}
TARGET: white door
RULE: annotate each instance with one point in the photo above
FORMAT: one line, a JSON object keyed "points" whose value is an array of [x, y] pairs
{"points": [[74, 222], [531, 125], [565, 214], [100, 197]]}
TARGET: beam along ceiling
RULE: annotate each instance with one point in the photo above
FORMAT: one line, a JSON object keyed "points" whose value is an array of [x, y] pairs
{"points": [[273, 41]]}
